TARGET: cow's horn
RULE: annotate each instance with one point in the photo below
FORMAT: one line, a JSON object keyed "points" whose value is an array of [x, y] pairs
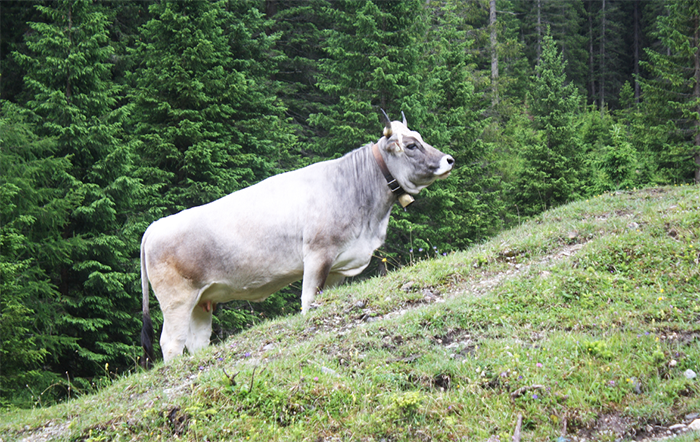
{"points": [[405, 123], [387, 124]]}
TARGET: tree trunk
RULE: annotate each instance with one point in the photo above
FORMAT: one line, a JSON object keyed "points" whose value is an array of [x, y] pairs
{"points": [[637, 36], [70, 49], [494, 53], [591, 61], [601, 74], [696, 96], [539, 30]]}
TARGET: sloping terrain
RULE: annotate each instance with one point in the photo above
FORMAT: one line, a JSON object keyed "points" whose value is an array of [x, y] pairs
{"points": [[582, 322]]}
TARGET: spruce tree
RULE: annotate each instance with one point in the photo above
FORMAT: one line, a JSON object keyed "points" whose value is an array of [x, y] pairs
{"points": [[36, 199], [74, 102], [454, 213], [671, 94], [565, 20], [206, 116], [371, 63], [301, 27], [551, 155]]}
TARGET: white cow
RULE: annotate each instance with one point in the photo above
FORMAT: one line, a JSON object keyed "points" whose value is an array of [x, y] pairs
{"points": [[319, 224]]}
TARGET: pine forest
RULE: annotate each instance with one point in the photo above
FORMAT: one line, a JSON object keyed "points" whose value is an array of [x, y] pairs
{"points": [[114, 114]]}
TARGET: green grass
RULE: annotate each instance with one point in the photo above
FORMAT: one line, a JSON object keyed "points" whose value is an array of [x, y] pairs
{"points": [[582, 320]]}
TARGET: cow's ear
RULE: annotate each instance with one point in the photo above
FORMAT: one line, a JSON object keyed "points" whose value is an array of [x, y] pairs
{"points": [[396, 145]]}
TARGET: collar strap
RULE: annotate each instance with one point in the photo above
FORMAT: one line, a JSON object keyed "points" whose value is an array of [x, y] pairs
{"points": [[404, 198]]}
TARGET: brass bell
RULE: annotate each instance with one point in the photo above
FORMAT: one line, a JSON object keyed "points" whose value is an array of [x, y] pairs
{"points": [[405, 200]]}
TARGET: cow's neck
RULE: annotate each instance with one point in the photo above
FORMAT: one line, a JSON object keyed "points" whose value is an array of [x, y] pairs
{"points": [[403, 197], [370, 190]]}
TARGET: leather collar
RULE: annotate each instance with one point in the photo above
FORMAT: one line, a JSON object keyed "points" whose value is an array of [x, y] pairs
{"points": [[404, 198]]}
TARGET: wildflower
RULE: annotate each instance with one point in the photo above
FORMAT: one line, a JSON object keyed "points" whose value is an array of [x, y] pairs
{"points": [[247, 354], [420, 249], [534, 396], [201, 367], [539, 365], [410, 251], [316, 378], [611, 383]]}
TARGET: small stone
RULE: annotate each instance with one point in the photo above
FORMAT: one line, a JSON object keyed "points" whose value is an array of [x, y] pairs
{"points": [[637, 385], [360, 304], [673, 363], [268, 347], [330, 371], [678, 428], [632, 226], [692, 416], [695, 425], [690, 374]]}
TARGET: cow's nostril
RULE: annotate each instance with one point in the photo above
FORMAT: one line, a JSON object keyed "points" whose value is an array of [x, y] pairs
{"points": [[450, 160]]}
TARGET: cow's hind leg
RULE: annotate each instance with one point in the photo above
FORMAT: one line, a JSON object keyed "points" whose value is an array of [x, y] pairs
{"points": [[200, 326]]}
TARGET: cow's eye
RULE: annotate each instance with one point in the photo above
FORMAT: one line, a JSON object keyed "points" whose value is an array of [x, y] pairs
{"points": [[411, 146]]}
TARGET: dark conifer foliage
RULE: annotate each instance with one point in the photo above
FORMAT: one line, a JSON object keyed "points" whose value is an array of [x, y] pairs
{"points": [[37, 196], [206, 117], [672, 93], [552, 151], [74, 103]]}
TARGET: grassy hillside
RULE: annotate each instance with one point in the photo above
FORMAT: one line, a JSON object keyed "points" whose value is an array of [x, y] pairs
{"points": [[583, 321]]}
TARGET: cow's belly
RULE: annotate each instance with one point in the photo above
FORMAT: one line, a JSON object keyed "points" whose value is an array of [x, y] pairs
{"points": [[225, 291]]}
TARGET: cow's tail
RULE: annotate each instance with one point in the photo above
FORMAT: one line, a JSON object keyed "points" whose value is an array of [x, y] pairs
{"points": [[147, 329]]}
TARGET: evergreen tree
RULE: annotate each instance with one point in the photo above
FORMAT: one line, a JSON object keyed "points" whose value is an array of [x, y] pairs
{"points": [[672, 94], [454, 213], [74, 102], [35, 203], [551, 155], [206, 115], [301, 27], [371, 63], [611, 60], [565, 20]]}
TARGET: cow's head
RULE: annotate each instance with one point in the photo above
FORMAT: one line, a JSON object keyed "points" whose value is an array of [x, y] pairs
{"points": [[414, 163]]}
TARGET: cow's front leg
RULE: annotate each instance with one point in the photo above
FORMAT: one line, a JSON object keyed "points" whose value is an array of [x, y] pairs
{"points": [[316, 269], [200, 326]]}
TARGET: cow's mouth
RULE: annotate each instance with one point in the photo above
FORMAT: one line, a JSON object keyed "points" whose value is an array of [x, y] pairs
{"points": [[444, 175]]}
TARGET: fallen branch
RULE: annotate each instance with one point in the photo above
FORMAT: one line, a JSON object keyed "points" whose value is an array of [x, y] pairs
{"points": [[518, 426], [519, 392]]}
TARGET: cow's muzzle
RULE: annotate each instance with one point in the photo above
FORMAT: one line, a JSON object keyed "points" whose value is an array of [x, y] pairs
{"points": [[446, 165]]}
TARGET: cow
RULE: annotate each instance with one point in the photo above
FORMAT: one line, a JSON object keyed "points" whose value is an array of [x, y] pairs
{"points": [[318, 224]]}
